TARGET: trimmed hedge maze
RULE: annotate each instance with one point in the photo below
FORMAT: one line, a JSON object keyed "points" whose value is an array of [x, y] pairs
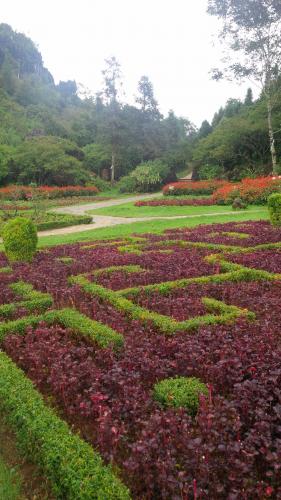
{"points": [[148, 367]]}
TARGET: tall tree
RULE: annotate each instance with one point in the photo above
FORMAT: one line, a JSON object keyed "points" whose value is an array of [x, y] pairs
{"points": [[249, 97], [146, 98], [205, 129], [111, 125], [252, 30]]}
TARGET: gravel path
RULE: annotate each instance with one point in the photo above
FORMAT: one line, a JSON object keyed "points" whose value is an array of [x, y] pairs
{"points": [[82, 209], [106, 220]]}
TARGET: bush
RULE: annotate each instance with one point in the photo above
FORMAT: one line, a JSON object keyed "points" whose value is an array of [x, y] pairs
{"points": [[147, 177], [251, 191], [101, 184], [150, 175], [180, 392], [208, 172], [238, 204], [20, 239], [274, 207], [127, 184]]}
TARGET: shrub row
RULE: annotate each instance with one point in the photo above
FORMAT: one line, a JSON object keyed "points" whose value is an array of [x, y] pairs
{"points": [[64, 221], [102, 334], [32, 300], [71, 465], [165, 324], [231, 272], [26, 193]]}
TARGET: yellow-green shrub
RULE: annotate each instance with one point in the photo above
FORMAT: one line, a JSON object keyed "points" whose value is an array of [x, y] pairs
{"points": [[274, 207], [20, 239]]}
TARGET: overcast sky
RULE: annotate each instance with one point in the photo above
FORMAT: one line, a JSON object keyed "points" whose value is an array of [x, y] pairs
{"points": [[170, 41]]}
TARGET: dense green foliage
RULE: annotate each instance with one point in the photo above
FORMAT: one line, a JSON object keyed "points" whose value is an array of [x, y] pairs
{"points": [[20, 239], [237, 146], [148, 176], [180, 392], [49, 135], [274, 206]]}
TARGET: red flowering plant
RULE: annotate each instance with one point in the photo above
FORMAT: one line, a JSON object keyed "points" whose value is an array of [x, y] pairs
{"points": [[192, 188], [249, 190], [25, 192]]}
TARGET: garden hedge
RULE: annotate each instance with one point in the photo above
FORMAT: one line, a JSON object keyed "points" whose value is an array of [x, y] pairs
{"points": [[274, 206], [74, 469]]}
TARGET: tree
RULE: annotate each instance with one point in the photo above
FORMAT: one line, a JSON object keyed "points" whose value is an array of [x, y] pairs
{"points": [[205, 129], [111, 115], [49, 161], [252, 30], [249, 97], [146, 98]]}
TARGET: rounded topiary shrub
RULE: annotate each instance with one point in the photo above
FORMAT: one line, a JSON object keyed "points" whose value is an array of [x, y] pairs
{"points": [[20, 239], [180, 392], [274, 207]]}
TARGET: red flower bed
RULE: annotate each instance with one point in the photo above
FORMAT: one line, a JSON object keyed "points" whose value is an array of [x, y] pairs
{"points": [[192, 188], [13, 207], [249, 190], [51, 192], [200, 202], [232, 448]]}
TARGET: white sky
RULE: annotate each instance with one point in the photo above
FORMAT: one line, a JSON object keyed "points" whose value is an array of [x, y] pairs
{"points": [[170, 41]]}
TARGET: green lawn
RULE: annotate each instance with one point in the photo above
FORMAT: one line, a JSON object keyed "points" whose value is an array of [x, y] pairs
{"points": [[154, 226], [130, 210], [9, 483]]}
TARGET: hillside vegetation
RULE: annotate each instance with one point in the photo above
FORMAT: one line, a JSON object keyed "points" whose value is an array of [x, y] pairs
{"points": [[52, 134]]}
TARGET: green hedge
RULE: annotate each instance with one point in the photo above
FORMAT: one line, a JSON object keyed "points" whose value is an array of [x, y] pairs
{"points": [[74, 469], [97, 332], [64, 221], [274, 207], [32, 300], [165, 324]]}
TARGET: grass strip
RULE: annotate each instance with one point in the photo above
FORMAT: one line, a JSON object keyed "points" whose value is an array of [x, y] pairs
{"points": [[74, 469]]}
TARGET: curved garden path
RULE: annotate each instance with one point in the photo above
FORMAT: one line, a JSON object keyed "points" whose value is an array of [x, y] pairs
{"points": [[106, 220]]}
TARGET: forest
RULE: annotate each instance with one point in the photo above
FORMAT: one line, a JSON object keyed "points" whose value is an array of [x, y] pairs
{"points": [[54, 134]]}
